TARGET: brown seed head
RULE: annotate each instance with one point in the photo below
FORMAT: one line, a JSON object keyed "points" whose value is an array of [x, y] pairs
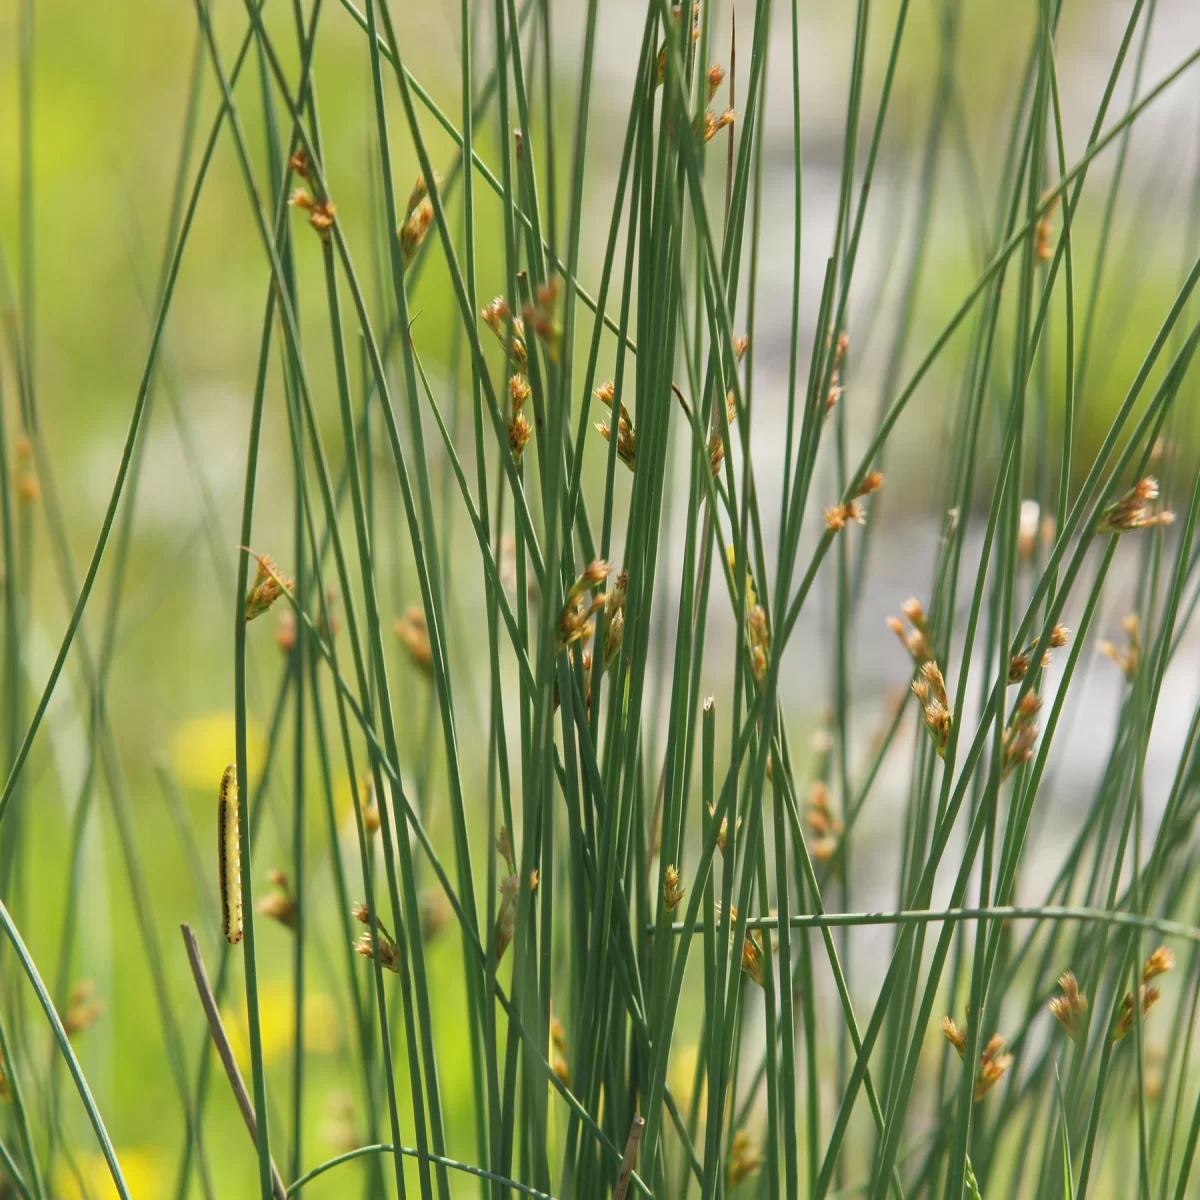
{"points": [[435, 910], [597, 571], [267, 587], [1134, 510], [672, 891], [823, 848], [840, 515], [914, 611], [83, 1009], [992, 1066], [954, 1035], [519, 390], [285, 631], [1159, 963], [415, 227], [389, 952], [937, 685], [280, 907], [713, 125], [743, 1162], [371, 820], [504, 846], [1147, 996], [419, 192], [519, 433], [27, 487], [320, 215], [413, 632], [872, 482], [1069, 1007], [626, 440], [752, 959]]}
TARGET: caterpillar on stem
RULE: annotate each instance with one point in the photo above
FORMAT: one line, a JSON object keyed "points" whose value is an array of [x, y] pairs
{"points": [[229, 862]]}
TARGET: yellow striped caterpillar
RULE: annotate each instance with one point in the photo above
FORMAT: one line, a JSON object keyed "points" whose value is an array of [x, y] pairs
{"points": [[229, 861]]}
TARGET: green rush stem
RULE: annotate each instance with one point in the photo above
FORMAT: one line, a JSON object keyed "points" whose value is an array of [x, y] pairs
{"points": [[386, 1148], [64, 1044]]}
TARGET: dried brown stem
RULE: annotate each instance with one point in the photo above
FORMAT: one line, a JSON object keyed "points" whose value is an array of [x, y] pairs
{"points": [[225, 1052]]}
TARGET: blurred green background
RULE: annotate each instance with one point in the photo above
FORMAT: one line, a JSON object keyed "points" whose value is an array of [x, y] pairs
{"points": [[110, 89]]}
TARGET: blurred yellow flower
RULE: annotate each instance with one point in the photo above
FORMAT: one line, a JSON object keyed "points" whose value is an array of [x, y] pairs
{"points": [[142, 1169], [322, 1023], [202, 747], [681, 1074]]}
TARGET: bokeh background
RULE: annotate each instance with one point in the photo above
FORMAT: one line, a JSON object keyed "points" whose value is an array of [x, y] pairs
{"points": [[109, 97]]}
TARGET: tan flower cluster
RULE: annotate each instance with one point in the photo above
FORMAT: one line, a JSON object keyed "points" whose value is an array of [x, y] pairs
{"points": [[930, 686], [413, 632], [389, 952], [1128, 657], [370, 806], [672, 889], [497, 316], [1135, 510], [267, 587], [723, 831], [626, 438], [506, 918], [285, 631], [519, 428], [823, 822], [1043, 234], [716, 446], [993, 1062], [840, 515], [834, 394], [1021, 735], [753, 945], [505, 850], [575, 621], [744, 1160], [541, 317], [614, 617], [753, 960], [714, 123], [320, 212], [280, 904], [1159, 963], [418, 216], [1018, 666], [83, 1009], [435, 911], [1069, 1007], [558, 1044], [758, 633]]}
